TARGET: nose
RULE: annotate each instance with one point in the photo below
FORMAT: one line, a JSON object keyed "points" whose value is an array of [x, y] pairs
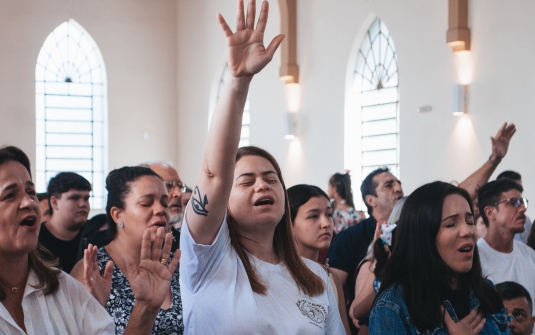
{"points": [[261, 185], [397, 187], [326, 222], [175, 192], [28, 202], [467, 230]]}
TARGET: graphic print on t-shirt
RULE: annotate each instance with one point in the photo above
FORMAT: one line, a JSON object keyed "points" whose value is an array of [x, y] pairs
{"points": [[314, 312]]}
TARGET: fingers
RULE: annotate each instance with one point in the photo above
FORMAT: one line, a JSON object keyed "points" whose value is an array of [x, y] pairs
{"points": [[108, 271], [262, 19], [131, 268], [240, 18], [145, 245], [164, 253], [174, 263], [500, 131], [251, 12], [479, 326], [224, 25], [270, 51], [157, 246], [447, 318], [469, 319]]}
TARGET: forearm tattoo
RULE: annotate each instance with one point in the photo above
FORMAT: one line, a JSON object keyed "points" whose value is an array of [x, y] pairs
{"points": [[198, 203]]}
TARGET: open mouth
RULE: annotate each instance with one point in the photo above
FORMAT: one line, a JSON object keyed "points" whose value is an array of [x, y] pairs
{"points": [[466, 248], [264, 201], [30, 221], [158, 224]]}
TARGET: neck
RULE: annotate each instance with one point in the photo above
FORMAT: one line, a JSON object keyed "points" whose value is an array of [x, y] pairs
{"points": [[14, 270], [57, 228], [259, 245], [380, 217], [499, 241], [309, 253], [454, 283]]}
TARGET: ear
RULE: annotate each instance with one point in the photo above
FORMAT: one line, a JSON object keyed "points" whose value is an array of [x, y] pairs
{"points": [[490, 212], [54, 202], [370, 200], [116, 214]]}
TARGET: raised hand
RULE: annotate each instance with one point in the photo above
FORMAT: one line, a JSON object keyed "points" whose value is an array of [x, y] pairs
{"points": [[99, 286], [472, 324], [500, 143], [150, 282], [246, 52]]}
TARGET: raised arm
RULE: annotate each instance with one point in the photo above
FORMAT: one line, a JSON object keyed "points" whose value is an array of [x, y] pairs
{"points": [[246, 57], [500, 145]]}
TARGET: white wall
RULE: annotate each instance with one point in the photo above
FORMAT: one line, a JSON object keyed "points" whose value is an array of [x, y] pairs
{"points": [[435, 145], [137, 40]]}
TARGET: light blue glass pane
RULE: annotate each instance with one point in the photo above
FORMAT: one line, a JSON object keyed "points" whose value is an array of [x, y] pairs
{"points": [[57, 88], [367, 169], [369, 98], [247, 105], [68, 165], [376, 49], [40, 181], [246, 118], [68, 114], [379, 112], [68, 101], [379, 127], [392, 81], [379, 157], [97, 203], [379, 142], [96, 73], [98, 89], [365, 47], [87, 175], [387, 95], [243, 143], [56, 139], [98, 108], [68, 152], [98, 136], [374, 29], [39, 132], [40, 158], [68, 127], [80, 89], [98, 159], [98, 184], [244, 132], [359, 66]]}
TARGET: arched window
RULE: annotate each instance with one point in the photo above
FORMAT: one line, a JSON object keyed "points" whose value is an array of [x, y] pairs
{"points": [[246, 120], [71, 109], [376, 91]]}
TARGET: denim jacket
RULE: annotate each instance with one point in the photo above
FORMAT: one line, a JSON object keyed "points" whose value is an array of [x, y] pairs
{"points": [[391, 316]]}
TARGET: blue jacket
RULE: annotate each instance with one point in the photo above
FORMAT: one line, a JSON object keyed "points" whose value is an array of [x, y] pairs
{"points": [[391, 316]]}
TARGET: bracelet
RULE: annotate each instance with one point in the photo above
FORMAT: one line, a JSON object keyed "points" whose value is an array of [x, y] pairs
{"points": [[495, 163]]}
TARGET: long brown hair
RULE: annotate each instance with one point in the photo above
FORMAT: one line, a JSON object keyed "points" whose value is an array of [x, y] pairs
{"points": [[283, 242], [48, 276]]}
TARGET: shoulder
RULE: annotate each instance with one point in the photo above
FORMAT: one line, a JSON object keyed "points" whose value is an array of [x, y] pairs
{"points": [[524, 249], [316, 268], [392, 298], [358, 231]]}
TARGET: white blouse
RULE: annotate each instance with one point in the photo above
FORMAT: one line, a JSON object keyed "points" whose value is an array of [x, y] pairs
{"points": [[70, 310]]}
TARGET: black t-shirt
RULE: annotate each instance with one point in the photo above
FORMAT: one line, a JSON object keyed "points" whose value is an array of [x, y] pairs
{"points": [[347, 250], [65, 251], [459, 300]]}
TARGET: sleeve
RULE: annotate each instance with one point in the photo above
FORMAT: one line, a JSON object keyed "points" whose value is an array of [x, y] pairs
{"points": [[334, 323], [385, 319], [198, 261], [90, 316], [342, 254]]}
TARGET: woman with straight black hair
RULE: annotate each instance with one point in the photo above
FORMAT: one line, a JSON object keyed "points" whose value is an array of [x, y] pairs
{"points": [[433, 283]]}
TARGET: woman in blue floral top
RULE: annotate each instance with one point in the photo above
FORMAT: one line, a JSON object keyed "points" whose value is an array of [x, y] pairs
{"points": [[432, 282]]}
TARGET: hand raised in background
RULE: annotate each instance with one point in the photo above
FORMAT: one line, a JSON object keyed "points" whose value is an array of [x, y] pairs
{"points": [[246, 52], [500, 143]]}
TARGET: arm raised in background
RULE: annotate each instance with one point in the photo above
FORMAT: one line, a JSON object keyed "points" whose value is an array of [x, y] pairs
{"points": [[500, 145], [246, 57]]}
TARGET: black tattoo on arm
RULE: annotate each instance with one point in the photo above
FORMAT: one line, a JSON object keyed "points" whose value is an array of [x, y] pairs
{"points": [[198, 203]]}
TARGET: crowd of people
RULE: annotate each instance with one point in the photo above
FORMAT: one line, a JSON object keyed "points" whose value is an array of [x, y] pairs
{"points": [[240, 254]]}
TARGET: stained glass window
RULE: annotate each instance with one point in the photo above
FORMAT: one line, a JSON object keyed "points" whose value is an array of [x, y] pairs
{"points": [[376, 86], [71, 109], [246, 120]]}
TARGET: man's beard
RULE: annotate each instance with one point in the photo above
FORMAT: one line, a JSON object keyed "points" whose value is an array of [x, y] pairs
{"points": [[175, 220]]}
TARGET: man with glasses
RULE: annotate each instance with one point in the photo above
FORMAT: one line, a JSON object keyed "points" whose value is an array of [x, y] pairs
{"points": [[175, 188], [503, 209]]}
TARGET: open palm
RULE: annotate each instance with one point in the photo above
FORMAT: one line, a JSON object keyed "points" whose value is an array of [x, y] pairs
{"points": [[246, 52]]}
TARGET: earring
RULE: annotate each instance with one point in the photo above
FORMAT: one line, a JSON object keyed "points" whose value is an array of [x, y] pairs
{"points": [[120, 224]]}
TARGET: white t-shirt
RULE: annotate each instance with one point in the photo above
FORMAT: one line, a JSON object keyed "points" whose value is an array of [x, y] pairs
{"points": [[517, 266], [70, 310], [217, 297]]}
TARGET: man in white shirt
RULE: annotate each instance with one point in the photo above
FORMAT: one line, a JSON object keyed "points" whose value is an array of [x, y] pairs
{"points": [[503, 258]]}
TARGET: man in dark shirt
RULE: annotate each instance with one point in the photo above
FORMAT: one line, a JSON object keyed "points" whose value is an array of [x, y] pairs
{"points": [[68, 195], [380, 192]]}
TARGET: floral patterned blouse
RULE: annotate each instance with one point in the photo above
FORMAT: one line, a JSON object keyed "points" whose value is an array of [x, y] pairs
{"points": [[345, 218], [122, 300]]}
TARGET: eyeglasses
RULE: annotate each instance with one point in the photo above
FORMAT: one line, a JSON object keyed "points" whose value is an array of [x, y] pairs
{"points": [[169, 184], [515, 202]]}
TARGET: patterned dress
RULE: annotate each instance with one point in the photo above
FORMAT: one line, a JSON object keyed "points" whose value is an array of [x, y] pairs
{"points": [[122, 300], [345, 218]]}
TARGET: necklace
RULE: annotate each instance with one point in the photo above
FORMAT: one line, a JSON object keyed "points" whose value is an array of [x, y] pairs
{"points": [[14, 288]]}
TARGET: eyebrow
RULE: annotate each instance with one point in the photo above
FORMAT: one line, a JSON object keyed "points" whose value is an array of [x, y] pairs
{"points": [[456, 215], [250, 174], [14, 185]]}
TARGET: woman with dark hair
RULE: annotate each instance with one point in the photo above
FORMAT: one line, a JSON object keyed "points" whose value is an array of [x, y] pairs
{"points": [[240, 270], [432, 282], [137, 209], [344, 214], [37, 298], [312, 226]]}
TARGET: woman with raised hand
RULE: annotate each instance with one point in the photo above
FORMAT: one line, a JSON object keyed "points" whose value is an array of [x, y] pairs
{"points": [[432, 282], [312, 227], [39, 299], [240, 270], [126, 271]]}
